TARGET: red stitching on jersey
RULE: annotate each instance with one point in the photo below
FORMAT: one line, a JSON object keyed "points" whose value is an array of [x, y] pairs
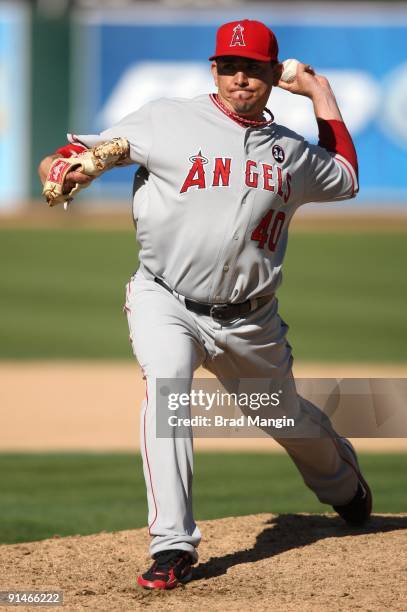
{"points": [[242, 121], [351, 175], [148, 464]]}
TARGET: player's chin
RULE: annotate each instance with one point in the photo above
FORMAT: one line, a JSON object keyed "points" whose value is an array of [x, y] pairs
{"points": [[244, 106]]}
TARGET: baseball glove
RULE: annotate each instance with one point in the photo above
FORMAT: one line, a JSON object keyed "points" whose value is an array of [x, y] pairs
{"points": [[93, 162]]}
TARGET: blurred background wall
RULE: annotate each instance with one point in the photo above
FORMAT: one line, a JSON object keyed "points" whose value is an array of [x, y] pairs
{"points": [[81, 65]]}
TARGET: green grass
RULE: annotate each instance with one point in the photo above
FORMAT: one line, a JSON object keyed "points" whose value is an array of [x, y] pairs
{"points": [[344, 295], [63, 292], [47, 494]]}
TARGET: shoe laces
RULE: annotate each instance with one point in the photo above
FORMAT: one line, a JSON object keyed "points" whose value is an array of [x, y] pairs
{"points": [[164, 560]]}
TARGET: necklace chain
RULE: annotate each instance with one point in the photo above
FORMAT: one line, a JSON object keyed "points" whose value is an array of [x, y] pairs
{"points": [[242, 120]]}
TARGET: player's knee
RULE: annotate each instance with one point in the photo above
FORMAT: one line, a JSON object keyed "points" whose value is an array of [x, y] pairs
{"points": [[172, 367]]}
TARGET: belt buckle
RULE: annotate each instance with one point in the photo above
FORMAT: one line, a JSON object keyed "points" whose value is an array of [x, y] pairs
{"points": [[217, 311]]}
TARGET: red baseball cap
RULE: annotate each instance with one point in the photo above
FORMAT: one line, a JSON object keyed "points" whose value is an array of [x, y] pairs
{"points": [[246, 38]]}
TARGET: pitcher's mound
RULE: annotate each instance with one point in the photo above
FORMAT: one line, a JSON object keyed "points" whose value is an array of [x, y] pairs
{"points": [[260, 562]]}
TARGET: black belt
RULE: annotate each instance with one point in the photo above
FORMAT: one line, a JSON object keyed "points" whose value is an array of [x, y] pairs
{"points": [[222, 312]]}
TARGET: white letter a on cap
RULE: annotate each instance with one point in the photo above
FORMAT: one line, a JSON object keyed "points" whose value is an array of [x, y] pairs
{"points": [[237, 38]]}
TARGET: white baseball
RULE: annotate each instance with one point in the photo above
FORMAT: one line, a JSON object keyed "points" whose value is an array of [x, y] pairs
{"points": [[289, 70]]}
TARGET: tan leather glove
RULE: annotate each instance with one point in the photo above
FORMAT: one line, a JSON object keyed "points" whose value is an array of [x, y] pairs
{"points": [[93, 162]]}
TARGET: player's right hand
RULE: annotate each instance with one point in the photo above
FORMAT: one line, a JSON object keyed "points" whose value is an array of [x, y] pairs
{"points": [[306, 83], [316, 87]]}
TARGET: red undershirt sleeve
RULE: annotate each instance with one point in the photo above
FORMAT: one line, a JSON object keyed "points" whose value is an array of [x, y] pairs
{"points": [[335, 138], [70, 150]]}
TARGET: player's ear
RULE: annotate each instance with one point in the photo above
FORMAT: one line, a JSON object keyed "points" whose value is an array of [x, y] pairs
{"points": [[277, 72], [214, 70]]}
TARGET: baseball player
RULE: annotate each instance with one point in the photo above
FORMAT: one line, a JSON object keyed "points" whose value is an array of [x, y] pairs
{"points": [[218, 184]]}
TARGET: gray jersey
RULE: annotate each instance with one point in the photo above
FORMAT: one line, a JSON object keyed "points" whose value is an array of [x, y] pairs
{"points": [[213, 200]]}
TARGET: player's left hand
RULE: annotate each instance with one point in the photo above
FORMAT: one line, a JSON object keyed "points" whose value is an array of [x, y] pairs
{"points": [[67, 175], [306, 83]]}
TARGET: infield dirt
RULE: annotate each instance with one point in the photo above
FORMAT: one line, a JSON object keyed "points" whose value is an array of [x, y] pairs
{"points": [[259, 562], [94, 406]]}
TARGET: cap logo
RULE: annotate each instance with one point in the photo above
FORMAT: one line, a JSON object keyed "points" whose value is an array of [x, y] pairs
{"points": [[237, 38]]}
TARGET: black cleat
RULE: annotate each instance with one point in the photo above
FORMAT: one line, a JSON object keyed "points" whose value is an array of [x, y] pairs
{"points": [[357, 512], [170, 568]]}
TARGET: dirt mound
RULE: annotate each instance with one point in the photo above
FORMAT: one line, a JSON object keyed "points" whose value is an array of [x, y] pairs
{"points": [[262, 562]]}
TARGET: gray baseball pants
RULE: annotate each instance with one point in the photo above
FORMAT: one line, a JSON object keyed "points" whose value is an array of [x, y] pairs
{"points": [[171, 342]]}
